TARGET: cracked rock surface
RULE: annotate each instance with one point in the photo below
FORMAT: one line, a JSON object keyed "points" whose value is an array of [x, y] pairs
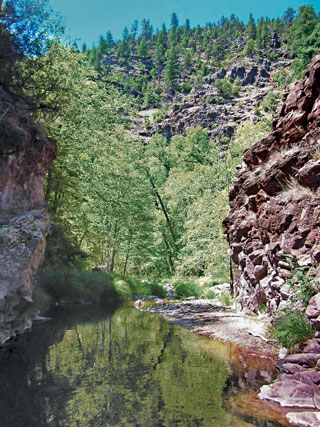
{"points": [[25, 155]]}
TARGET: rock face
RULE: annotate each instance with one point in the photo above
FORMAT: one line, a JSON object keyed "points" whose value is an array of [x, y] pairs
{"points": [[25, 155], [204, 106], [275, 203]]}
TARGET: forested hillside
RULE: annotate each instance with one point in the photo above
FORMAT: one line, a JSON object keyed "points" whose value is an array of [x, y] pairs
{"points": [[126, 194], [153, 64]]}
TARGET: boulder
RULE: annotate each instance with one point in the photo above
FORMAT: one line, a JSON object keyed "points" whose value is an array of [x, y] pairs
{"points": [[307, 419], [313, 310]]}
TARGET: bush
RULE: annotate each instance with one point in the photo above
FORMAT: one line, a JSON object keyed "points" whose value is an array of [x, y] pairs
{"points": [[186, 289], [75, 285], [209, 294], [159, 115], [226, 88], [123, 288], [270, 103], [158, 290], [292, 329], [302, 281], [186, 87]]}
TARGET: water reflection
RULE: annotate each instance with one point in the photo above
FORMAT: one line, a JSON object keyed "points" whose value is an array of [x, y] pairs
{"points": [[121, 368]]}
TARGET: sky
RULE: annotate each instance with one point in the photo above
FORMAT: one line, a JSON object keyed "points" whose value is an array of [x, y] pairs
{"points": [[86, 20]]}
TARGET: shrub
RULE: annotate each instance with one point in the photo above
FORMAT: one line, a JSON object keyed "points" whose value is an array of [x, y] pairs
{"points": [[303, 278], [209, 294], [270, 103], [159, 115], [123, 288], [186, 87], [226, 88], [158, 290], [292, 329], [186, 289], [76, 285], [225, 298]]}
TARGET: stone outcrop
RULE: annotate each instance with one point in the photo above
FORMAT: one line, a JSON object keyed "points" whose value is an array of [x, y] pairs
{"points": [[25, 155], [204, 106], [297, 386], [275, 203]]}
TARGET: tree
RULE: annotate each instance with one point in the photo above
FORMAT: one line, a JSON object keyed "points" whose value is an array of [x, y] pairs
{"points": [[174, 21], [143, 49], [109, 39], [146, 30], [289, 16], [31, 23], [251, 28], [134, 29], [125, 34], [187, 26], [25, 29], [171, 70]]}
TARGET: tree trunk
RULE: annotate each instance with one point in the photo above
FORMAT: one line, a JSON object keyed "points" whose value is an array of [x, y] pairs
{"points": [[126, 261], [164, 212], [113, 252], [230, 270], [170, 262]]}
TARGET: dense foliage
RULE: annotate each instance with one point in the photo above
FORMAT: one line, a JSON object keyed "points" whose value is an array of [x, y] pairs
{"points": [[153, 209]]}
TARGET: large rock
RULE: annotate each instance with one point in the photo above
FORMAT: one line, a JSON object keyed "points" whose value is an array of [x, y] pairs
{"points": [[297, 391], [25, 155], [275, 203], [313, 310], [307, 419]]}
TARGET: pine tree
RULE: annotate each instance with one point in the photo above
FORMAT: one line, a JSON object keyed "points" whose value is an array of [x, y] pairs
{"points": [[146, 29], [174, 21], [143, 49], [172, 70], [134, 29], [109, 39], [125, 34], [251, 28]]}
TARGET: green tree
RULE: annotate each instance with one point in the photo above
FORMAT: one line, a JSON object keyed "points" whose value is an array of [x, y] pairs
{"points": [[143, 49], [174, 21], [172, 70], [251, 28]]}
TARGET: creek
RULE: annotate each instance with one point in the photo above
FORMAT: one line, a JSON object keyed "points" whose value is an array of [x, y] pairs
{"points": [[117, 366]]}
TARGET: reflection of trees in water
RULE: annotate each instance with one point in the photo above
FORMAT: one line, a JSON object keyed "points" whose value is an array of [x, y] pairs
{"points": [[29, 392], [127, 368]]}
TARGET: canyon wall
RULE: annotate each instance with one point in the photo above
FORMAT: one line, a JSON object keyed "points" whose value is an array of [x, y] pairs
{"points": [[25, 155], [275, 202]]}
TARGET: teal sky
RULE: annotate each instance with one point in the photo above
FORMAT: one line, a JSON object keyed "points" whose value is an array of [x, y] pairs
{"points": [[87, 19]]}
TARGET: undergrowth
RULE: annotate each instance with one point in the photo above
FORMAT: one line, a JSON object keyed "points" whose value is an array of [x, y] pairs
{"points": [[185, 289], [302, 281], [66, 284], [292, 328]]}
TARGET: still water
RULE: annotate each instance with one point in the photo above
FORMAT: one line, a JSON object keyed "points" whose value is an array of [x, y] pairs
{"points": [[121, 367]]}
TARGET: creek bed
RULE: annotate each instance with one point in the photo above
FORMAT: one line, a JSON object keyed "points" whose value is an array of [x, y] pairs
{"points": [[117, 366]]}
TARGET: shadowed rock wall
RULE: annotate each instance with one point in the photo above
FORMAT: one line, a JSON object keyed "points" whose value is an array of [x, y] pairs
{"points": [[275, 203], [25, 155]]}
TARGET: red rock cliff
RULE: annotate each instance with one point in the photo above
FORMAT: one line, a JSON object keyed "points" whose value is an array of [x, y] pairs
{"points": [[25, 155], [275, 203]]}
